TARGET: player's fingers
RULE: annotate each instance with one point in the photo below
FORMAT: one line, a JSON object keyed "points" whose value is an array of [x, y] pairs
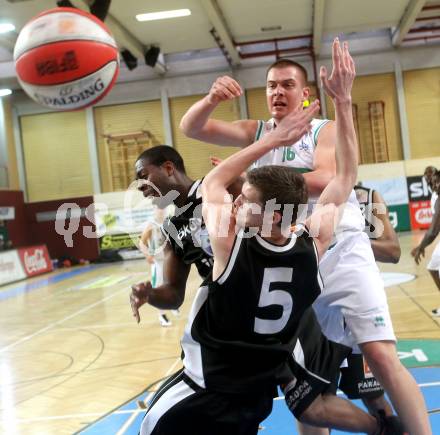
{"points": [[234, 85], [229, 87], [336, 58], [324, 79]]}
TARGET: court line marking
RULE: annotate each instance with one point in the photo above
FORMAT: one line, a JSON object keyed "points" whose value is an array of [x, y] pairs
{"points": [[36, 283], [133, 417], [58, 322], [137, 411]]}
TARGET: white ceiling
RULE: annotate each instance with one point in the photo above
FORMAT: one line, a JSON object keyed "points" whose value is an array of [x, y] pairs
{"points": [[242, 20]]}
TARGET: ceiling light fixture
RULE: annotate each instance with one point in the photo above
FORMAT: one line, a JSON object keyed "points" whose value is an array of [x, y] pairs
{"points": [[5, 92], [163, 15], [6, 27]]}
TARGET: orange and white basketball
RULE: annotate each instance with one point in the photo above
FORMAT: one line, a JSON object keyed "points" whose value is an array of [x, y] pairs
{"points": [[66, 59]]}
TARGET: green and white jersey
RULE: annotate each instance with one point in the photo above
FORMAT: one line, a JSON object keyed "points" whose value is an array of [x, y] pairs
{"points": [[300, 156], [157, 243]]}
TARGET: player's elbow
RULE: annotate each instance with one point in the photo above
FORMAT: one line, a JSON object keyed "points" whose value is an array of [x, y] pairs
{"points": [[395, 253], [175, 298], [186, 129]]}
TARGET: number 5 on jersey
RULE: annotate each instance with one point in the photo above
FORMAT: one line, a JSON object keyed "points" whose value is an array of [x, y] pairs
{"points": [[270, 297]]}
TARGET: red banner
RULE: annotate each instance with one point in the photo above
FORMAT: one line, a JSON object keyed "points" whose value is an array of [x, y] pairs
{"points": [[420, 214], [35, 260]]}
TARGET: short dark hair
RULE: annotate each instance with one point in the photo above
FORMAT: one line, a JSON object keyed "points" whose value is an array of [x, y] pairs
{"points": [[160, 154], [283, 62], [282, 183], [430, 169]]}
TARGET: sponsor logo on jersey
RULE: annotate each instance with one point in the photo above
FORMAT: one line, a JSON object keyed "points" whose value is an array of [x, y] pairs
{"points": [[379, 321], [367, 371], [303, 146]]}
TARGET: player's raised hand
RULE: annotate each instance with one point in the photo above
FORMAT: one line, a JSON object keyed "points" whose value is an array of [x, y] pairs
{"points": [[224, 88], [296, 124], [139, 296], [338, 85]]}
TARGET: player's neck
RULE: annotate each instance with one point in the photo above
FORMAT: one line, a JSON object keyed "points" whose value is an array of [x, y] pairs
{"points": [[183, 186], [276, 236]]}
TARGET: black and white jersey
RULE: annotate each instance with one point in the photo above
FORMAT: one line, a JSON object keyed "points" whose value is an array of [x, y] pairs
{"points": [[364, 196], [188, 235], [242, 327]]}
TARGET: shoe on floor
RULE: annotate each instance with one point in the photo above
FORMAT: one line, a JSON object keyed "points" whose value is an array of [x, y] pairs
{"points": [[164, 321], [436, 312], [176, 313]]}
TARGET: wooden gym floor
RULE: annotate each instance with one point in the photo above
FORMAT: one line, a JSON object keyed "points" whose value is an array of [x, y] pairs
{"points": [[71, 352]]}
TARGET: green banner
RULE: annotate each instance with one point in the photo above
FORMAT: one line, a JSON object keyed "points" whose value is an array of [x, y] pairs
{"points": [[419, 353], [399, 217]]}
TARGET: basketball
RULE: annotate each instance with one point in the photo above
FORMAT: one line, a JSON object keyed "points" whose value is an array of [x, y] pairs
{"points": [[66, 59]]}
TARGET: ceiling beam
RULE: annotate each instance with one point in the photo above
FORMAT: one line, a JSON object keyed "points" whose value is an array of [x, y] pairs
{"points": [[123, 37], [318, 24], [126, 40], [406, 22], [217, 20]]}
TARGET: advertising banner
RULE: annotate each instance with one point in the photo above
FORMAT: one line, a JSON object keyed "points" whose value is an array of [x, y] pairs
{"points": [[35, 260], [11, 268]]}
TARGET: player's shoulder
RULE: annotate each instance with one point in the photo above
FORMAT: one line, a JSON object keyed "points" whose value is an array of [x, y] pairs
{"points": [[323, 131]]}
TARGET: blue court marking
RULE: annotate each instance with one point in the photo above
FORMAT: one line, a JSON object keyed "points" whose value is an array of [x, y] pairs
{"points": [[280, 422], [26, 287]]}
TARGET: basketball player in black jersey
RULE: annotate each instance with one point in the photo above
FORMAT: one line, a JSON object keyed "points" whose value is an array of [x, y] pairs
{"points": [[161, 174], [245, 322]]}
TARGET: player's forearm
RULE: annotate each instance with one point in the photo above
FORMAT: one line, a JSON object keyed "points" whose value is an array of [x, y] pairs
{"points": [[386, 251], [166, 297], [317, 181], [346, 144], [196, 117], [429, 237], [231, 169]]}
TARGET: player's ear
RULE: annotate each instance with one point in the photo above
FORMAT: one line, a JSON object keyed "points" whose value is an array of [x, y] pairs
{"points": [[277, 217], [169, 168]]}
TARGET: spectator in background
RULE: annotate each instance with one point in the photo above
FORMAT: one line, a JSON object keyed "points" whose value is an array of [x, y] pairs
{"points": [[432, 177], [152, 245]]}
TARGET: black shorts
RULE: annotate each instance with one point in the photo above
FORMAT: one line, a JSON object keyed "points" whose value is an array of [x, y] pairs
{"points": [[182, 407], [315, 364], [356, 380]]}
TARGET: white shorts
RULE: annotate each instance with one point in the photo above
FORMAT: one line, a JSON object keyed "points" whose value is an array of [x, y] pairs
{"points": [[434, 263], [353, 308], [157, 274]]}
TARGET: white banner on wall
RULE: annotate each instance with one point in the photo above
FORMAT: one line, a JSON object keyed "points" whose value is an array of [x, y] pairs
{"points": [[393, 190], [10, 267]]}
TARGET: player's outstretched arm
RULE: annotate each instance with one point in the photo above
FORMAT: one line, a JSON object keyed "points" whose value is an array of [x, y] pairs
{"points": [[338, 87], [198, 124], [168, 296], [419, 251], [386, 246]]}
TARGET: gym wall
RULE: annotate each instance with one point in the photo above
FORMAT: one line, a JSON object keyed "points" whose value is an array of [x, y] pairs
{"points": [[377, 87], [422, 95], [120, 119], [13, 181], [56, 155], [195, 153]]}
